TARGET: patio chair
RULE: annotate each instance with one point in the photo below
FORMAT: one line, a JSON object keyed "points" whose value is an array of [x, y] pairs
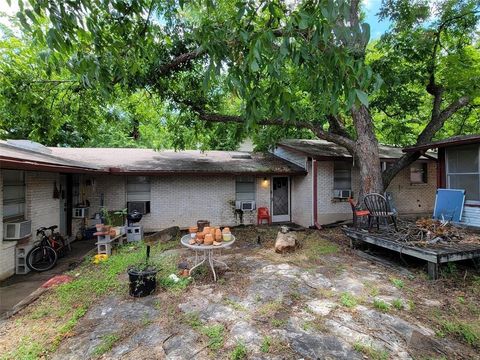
{"points": [[379, 208], [357, 212], [263, 214]]}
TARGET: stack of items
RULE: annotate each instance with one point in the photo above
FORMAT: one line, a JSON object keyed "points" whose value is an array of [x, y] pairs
{"points": [[209, 235]]}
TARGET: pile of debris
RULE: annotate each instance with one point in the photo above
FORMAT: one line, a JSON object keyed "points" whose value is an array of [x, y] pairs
{"points": [[428, 232]]}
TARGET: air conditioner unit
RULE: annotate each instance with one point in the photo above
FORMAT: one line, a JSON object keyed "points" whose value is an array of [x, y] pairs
{"points": [[245, 205], [17, 230], [80, 212], [342, 194], [143, 207]]}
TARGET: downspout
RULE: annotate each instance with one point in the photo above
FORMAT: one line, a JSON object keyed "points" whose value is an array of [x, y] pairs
{"points": [[315, 195]]}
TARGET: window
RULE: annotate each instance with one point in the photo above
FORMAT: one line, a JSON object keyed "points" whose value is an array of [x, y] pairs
{"points": [[418, 173], [13, 195], [342, 175], [245, 189], [463, 170], [138, 194]]}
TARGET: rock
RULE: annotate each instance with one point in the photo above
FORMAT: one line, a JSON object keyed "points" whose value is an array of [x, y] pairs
{"points": [[285, 242], [321, 307], [163, 236]]}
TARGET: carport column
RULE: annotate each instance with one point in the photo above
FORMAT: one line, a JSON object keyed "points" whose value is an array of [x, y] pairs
{"points": [[315, 193]]}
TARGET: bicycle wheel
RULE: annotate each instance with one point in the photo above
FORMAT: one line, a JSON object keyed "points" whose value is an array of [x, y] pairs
{"points": [[41, 258]]}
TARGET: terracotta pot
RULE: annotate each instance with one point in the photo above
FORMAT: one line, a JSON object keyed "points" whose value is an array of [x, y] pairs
{"points": [[206, 229], [99, 227], [208, 239], [218, 235], [212, 231], [113, 232], [192, 229]]}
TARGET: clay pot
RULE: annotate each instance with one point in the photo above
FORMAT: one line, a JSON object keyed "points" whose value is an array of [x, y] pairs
{"points": [[202, 223], [192, 229], [99, 227], [113, 232], [218, 235], [206, 229], [226, 230], [208, 239], [212, 231]]}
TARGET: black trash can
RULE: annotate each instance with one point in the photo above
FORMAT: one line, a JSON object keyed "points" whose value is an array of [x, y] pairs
{"points": [[142, 282]]}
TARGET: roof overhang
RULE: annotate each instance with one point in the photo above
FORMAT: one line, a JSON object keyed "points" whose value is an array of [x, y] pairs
{"points": [[453, 141], [18, 164]]}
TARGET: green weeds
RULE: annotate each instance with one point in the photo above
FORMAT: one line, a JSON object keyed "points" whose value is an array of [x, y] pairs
{"points": [[239, 352], [215, 336], [397, 304], [371, 352], [348, 300], [399, 284], [381, 305], [106, 345], [266, 343]]}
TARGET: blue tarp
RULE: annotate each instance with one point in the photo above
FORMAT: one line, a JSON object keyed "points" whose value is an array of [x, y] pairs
{"points": [[449, 204]]}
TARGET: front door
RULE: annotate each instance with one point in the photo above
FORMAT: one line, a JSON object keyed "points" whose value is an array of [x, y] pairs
{"points": [[280, 199]]}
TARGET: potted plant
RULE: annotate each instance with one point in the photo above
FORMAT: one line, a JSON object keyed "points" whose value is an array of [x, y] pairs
{"points": [[106, 220], [142, 278], [123, 213]]}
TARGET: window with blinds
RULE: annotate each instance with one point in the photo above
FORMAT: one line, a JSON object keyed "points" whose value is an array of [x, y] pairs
{"points": [[138, 194], [245, 189], [342, 175], [13, 195]]}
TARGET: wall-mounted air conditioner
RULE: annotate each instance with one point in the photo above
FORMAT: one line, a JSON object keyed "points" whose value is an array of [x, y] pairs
{"points": [[342, 194], [80, 212], [245, 205], [17, 230]]}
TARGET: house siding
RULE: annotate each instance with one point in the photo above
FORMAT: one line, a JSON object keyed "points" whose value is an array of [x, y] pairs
{"points": [[296, 158], [409, 199], [302, 206], [7, 248]]}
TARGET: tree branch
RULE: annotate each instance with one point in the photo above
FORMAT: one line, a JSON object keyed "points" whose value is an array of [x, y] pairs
{"points": [[317, 130], [336, 126], [178, 62]]}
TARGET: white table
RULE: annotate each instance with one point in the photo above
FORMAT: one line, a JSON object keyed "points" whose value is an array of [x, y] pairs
{"points": [[207, 252]]}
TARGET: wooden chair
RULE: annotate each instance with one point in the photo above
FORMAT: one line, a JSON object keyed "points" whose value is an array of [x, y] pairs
{"points": [[357, 212], [379, 208]]}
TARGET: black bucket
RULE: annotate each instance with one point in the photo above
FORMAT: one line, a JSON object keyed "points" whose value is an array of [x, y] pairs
{"points": [[142, 282]]}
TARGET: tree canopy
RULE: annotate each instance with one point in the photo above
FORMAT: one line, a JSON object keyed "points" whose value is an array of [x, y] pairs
{"points": [[216, 71]]}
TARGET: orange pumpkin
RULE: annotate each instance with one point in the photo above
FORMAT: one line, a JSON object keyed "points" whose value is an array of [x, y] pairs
{"points": [[208, 239]]}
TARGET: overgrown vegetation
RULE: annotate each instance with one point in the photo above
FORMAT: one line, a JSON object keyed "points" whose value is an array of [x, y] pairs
{"points": [[381, 305], [106, 345], [348, 300], [215, 335], [239, 352]]}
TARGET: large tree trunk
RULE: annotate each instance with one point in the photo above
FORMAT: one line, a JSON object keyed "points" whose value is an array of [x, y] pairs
{"points": [[366, 153]]}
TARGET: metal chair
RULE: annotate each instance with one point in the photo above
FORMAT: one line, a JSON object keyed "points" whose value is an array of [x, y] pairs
{"points": [[357, 212], [378, 207]]}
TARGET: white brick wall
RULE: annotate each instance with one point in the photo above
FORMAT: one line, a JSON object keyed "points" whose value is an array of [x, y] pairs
{"points": [[41, 208], [302, 198], [408, 198], [7, 248]]}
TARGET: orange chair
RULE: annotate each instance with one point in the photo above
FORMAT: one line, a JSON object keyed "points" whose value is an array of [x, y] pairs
{"points": [[263, 214], [357, 213]]}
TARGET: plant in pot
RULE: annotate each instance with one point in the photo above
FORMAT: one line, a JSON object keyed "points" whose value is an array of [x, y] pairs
{"points": [[106, 220], [142, 277], [122, 213]]}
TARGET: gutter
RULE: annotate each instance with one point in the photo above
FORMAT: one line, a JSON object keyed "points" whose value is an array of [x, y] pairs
{"points": [[10, 163]]}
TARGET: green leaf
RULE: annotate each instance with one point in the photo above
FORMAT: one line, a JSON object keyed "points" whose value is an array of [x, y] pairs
{"points": [[362, 96], [254, 66]]}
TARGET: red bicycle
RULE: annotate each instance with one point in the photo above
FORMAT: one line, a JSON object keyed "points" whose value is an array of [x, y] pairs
{"points": [[47, 250]]}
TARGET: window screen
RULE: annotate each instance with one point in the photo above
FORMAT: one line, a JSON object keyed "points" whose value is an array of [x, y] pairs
{"points": [[245, 189], [13, 194], [463, 170], [418, 173], [342, 175]]}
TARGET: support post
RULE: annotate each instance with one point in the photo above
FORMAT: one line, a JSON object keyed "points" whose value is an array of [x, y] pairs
{"points": [[433, 270]]}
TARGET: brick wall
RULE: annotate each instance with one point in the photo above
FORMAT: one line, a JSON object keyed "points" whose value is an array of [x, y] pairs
{"points": [[181, 200], [40, 207], [302, 198], [7, 248], [408, 198]]}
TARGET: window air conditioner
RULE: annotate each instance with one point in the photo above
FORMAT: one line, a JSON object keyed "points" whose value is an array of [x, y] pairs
{"points": [[342, 194], [245, 205], [17, 230]]}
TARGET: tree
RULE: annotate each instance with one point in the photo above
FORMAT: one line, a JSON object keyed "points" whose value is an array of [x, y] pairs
{"points": [[270, 55]]}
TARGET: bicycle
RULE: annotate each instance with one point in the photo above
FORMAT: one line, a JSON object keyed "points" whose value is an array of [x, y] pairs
{"points": [[44, 255]]}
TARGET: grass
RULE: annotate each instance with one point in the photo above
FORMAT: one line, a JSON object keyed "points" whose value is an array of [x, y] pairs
{"points": [[469, 333], [266, 343], [348, 300], [371, 352], [399, 284], [270, 308], [320, 247], [106, 345], [397, 304], [381, 305], [239, 352], [318, 324], [278, 322], [63, 306], [27, 349], [234, 305], [215, 336]]}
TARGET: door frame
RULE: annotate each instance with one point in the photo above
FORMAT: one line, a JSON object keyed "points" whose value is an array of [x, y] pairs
{"points": [[286, 217]]}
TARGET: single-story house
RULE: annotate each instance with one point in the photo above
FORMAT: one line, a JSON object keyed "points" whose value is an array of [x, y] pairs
{"points": [[304, 181], [459, 168]]}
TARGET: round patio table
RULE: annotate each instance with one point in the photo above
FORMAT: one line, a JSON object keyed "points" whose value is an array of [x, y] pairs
{"points": [[207, 253]]}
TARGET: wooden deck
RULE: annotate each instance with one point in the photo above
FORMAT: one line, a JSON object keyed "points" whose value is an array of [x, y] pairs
{"points": [[433, 255]]}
